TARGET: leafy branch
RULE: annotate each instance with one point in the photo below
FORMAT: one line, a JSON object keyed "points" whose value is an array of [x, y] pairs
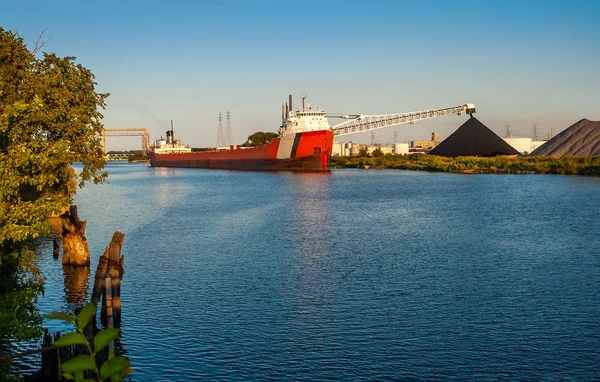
{"points": [[114, 369]]}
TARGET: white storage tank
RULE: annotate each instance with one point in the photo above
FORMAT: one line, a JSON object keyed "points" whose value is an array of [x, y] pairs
{"points": [[337, 149], [346, 147], [354, 149], [400, 148]]}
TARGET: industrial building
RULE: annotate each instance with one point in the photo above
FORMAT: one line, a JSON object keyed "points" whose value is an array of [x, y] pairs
{"points": [[426, 145], [347, 149]]}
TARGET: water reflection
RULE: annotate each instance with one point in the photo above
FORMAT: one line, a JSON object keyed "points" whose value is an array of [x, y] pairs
{"points": [[314, 203], [76, 285], [164, 171], [166, 188], [313, 214]]}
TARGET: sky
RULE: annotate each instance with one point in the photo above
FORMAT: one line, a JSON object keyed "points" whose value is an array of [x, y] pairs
{"points": [[520, 62]]}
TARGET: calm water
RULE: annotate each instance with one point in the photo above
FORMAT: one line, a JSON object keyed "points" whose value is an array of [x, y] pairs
{"points": [[349, 275]]}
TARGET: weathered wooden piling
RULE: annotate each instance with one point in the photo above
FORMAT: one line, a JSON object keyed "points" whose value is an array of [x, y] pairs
{"points": [[50, 365], [107, 282], [75, 247], [53, 357], [56, 249]]}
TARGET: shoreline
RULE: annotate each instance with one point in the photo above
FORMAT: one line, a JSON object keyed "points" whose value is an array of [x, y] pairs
{"points": [[587, 166]]}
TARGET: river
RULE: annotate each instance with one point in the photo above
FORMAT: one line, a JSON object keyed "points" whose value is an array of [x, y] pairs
{"points": [[354, 274]]}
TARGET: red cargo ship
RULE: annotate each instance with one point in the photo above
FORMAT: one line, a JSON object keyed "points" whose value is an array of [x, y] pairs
{"points": [[304, 144]]}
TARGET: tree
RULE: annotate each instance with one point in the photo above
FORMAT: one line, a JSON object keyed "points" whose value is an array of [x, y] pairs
{"points": [[259, 138], [377, 152], [49, 118]]}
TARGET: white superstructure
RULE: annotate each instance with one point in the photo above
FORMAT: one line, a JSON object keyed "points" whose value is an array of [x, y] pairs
{"points": [[169, 145], [302, 120]]}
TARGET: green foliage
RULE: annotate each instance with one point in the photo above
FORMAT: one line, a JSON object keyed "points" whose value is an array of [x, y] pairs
{"points": [[49, 118], [21, 282], [468, 165], [363, 152], [377, 153], [115, 368], [259, 138], [137, 157]]}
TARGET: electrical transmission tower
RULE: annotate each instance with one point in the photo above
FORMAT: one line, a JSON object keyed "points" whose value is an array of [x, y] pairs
{"points": [[535, 137], [372, 138], [507, 134], [220, 137], [395, 136], [228, 135]]}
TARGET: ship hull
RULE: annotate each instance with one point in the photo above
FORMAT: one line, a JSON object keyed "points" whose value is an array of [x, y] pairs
{"points": [[307, 151]]}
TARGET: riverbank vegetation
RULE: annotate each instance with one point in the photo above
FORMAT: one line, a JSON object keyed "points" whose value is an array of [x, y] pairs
{"points": [[474, 165], [259, 138], [132, 155], [49, 118]]}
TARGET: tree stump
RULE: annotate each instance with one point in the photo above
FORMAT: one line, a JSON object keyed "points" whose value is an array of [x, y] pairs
{"points": [[75, 247], [107, 282]]}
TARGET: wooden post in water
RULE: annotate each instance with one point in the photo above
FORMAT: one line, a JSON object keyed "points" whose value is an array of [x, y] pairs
{"points": [[50, 370], [56, 249], [75, 247], [107, 281]]}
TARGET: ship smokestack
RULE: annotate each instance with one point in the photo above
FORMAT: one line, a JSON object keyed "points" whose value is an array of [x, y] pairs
{"points": [[287, 111], [291, 103], [170, 137]]}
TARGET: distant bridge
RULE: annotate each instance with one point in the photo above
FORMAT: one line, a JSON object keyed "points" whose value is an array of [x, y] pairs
{"points": [[129, 132], [117, 157]]}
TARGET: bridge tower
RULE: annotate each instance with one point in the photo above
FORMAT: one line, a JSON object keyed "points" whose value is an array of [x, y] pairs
{"points": [[130, 132]]}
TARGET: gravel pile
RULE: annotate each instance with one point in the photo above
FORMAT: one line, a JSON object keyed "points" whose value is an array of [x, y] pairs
{"points": [[473, 138], [581, 139]]}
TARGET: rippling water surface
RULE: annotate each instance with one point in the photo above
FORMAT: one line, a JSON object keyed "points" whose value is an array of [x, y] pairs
{"points": [[349, 275]]}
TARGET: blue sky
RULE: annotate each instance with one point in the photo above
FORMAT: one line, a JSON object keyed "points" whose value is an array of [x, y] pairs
{"points": [[519, 62]]}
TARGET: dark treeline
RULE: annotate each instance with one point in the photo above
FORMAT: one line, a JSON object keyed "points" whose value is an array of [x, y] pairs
{"points": [[467, 165], [131, 152]]}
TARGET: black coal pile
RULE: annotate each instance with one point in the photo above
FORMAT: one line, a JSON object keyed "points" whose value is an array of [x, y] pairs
{"points": [[581, 139], [473, 138]]}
